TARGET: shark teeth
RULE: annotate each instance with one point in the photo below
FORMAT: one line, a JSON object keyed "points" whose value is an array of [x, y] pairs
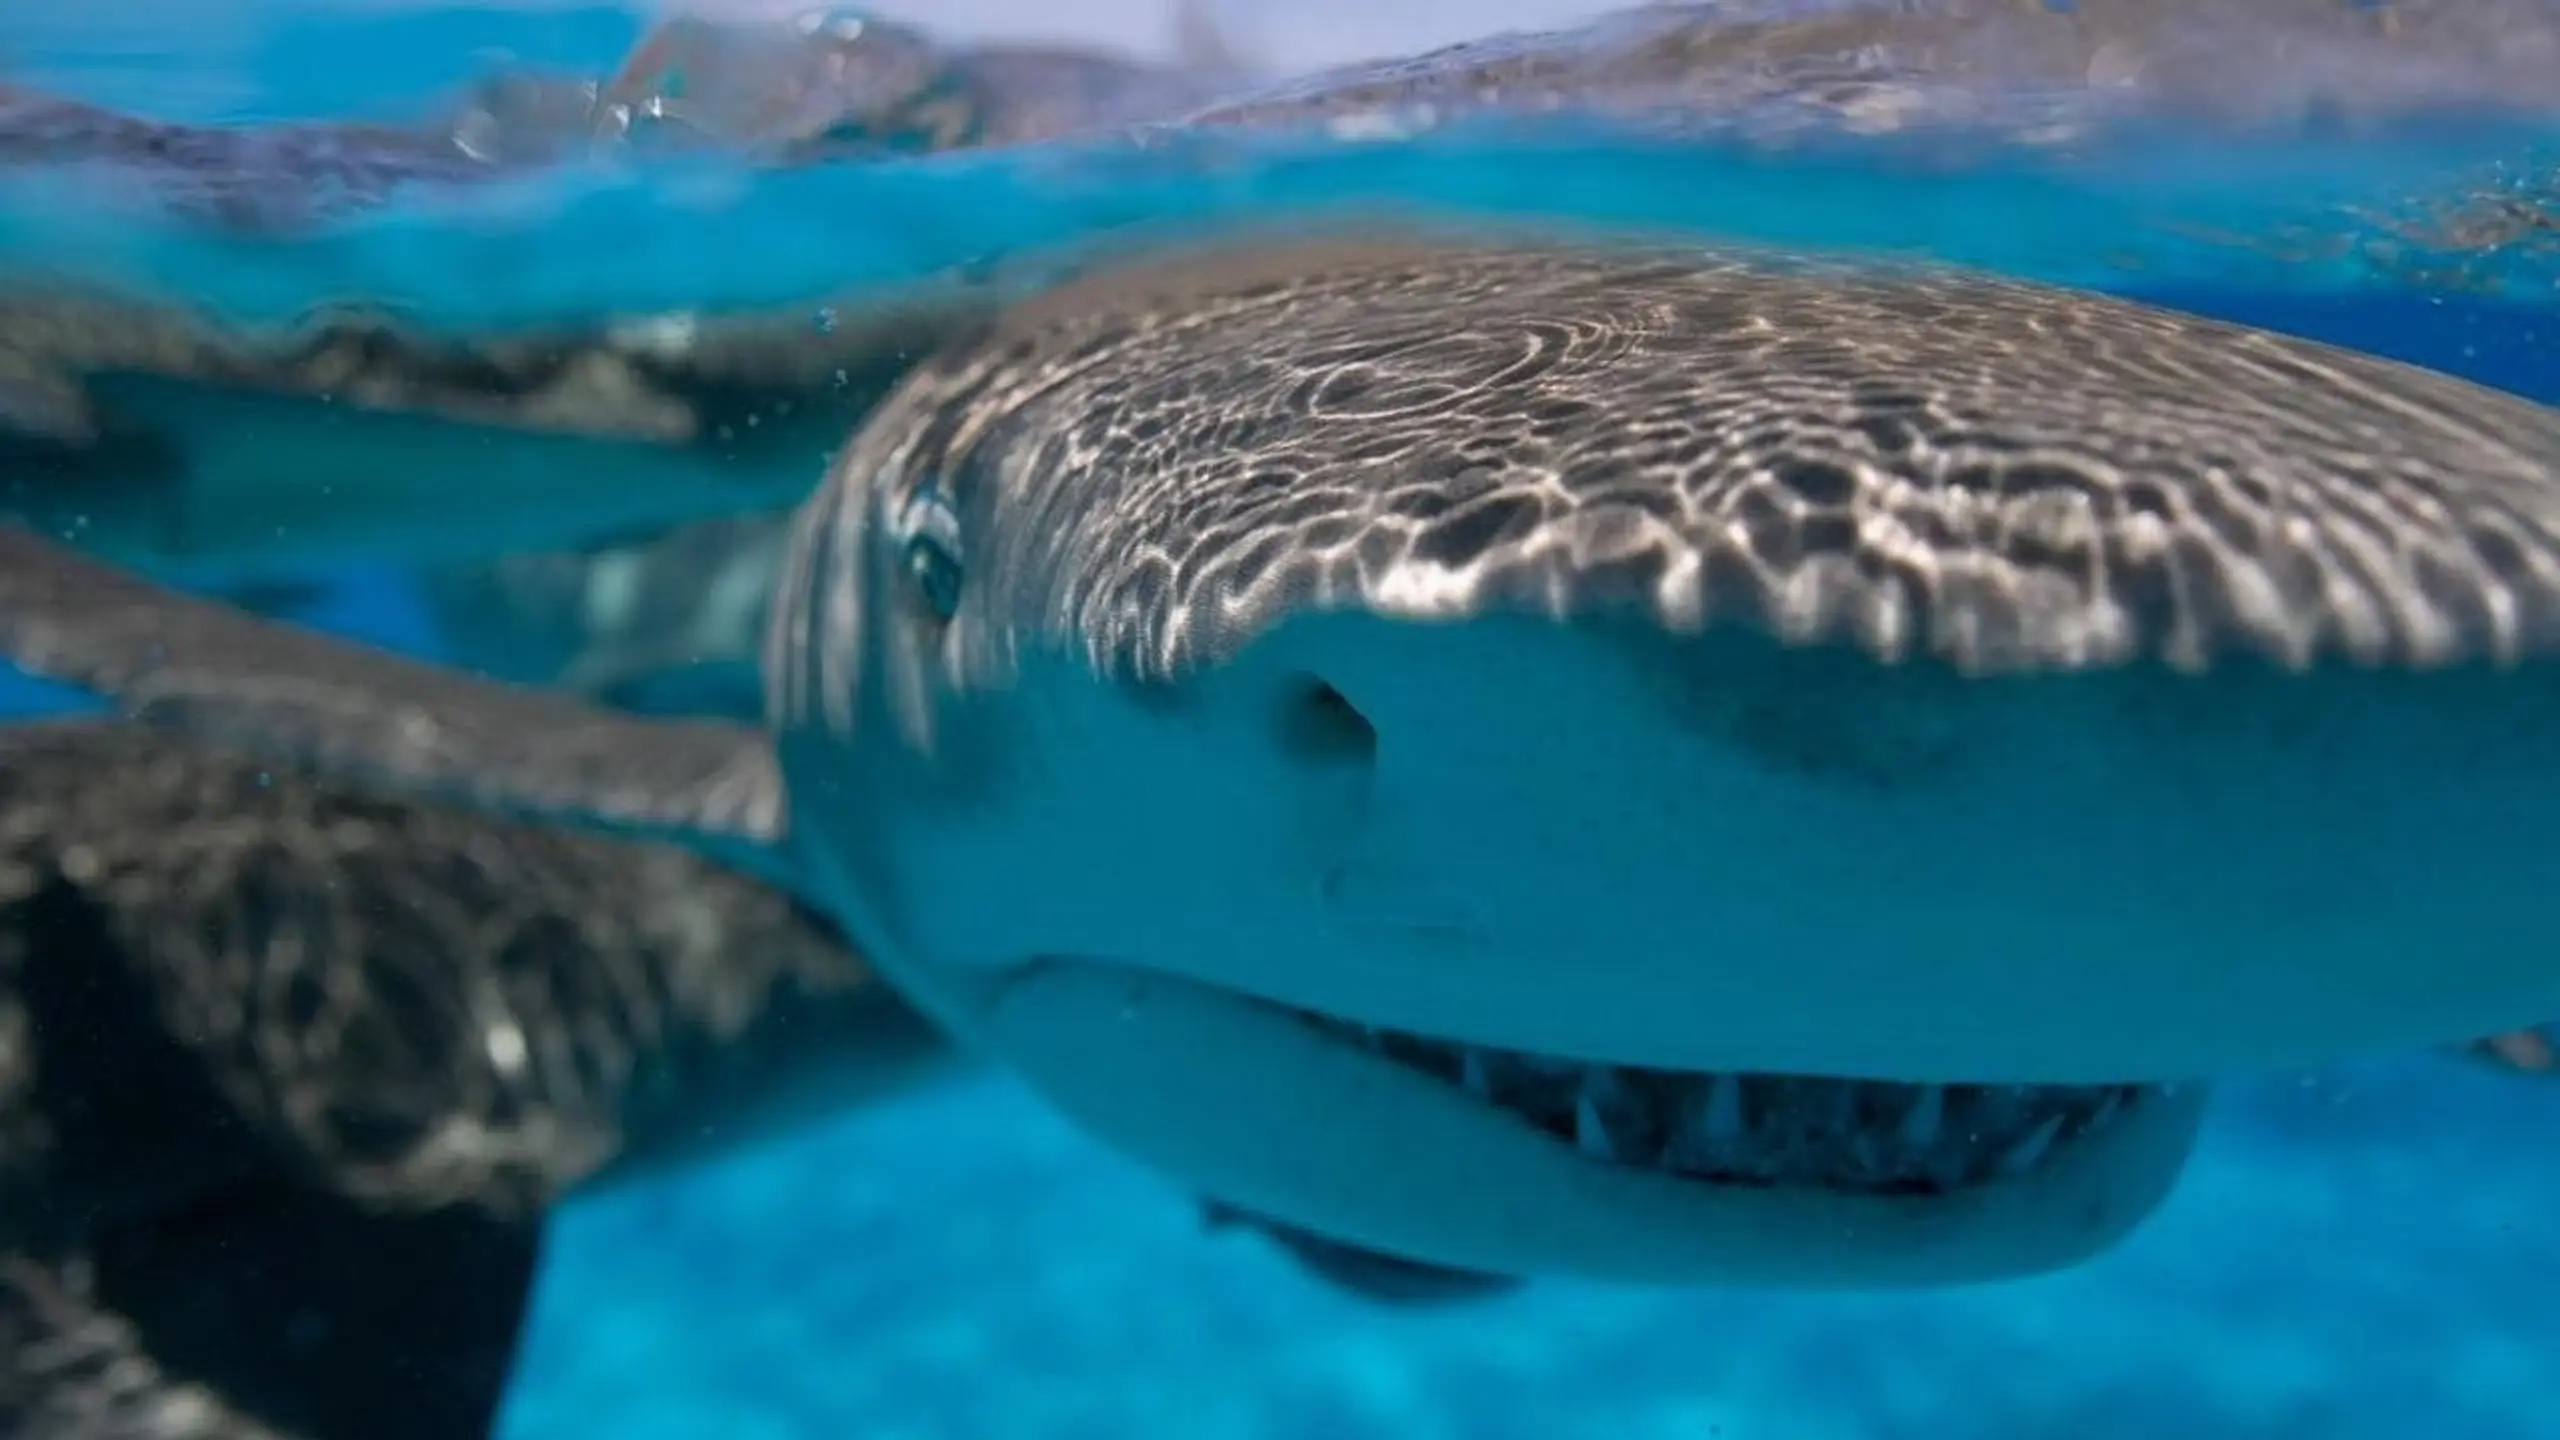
{"points": [[1852, 1135]]}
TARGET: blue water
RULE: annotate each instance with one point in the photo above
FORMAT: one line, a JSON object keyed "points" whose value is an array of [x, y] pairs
{"points": [[2362, 1255], [2373, 1252]]}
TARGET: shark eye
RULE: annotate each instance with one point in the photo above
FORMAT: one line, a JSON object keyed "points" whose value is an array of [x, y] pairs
{"points": [[930, 551]]}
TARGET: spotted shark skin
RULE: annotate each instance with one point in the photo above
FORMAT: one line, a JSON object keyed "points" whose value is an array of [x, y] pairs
{"points": [[1417, 621]]}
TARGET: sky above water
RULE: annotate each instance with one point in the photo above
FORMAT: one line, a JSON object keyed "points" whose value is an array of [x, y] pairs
{"points": [[1289, 34], [1280, 34]]}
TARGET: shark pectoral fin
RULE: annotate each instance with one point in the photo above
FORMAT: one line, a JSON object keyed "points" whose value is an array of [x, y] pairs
{"points": [[1362, 1273], [201, 667]]}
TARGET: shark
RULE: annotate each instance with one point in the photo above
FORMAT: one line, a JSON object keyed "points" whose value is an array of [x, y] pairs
{"points": [[1553, 752]]}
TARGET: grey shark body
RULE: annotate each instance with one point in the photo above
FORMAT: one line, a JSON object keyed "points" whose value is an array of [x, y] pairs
{"points": [[1546, 755]]}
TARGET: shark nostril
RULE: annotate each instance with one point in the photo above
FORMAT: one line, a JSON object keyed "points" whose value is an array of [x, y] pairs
{"points": [[1319, 726]]}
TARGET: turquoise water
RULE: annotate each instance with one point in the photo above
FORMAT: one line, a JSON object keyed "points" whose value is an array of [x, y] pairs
{"points": [[2371, 1252], [2368, 1254]]}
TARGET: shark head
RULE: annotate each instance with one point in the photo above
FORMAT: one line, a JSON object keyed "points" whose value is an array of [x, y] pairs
{"points": [[1673, 765]]}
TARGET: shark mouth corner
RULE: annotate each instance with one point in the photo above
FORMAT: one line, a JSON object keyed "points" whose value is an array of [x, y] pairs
{"points": [[1864, 1137]]}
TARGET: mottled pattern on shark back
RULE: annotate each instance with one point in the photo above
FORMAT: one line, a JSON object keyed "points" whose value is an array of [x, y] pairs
{"points": [[1890, 461]]}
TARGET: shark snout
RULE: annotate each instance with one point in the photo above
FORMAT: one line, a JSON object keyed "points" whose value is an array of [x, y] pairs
{"points": [[1358, 748], [1723, 851], [1427, 775]]}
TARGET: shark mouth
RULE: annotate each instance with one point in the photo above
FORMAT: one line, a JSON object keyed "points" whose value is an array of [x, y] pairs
{"points": [[1858, 1136]]}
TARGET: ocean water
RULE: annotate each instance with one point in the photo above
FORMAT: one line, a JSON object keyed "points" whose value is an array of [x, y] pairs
{"points": [[2367, 1252]]}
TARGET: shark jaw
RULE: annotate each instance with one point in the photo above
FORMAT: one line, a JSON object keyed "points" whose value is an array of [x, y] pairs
{"points": [[1379, 1143], [1481, 1160]]}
